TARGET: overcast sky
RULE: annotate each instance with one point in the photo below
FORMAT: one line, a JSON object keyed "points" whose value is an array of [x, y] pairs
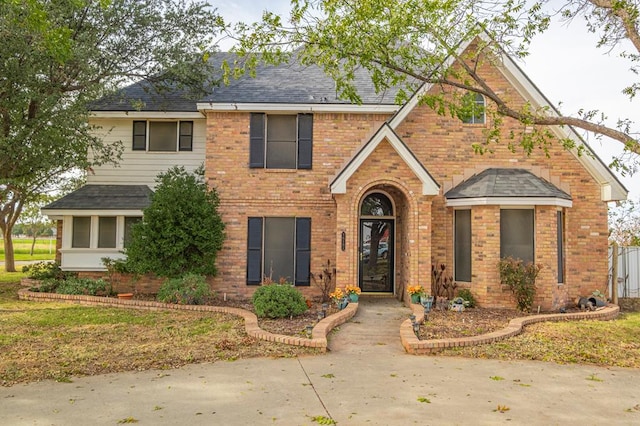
{"points": [[563, 62]]}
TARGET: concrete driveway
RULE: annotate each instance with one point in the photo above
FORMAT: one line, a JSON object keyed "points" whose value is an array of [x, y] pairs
{"points": [[375, 388]]}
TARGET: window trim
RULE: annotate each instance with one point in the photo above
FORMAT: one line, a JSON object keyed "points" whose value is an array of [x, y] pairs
{"points": [[180, 125], [94, 231]]}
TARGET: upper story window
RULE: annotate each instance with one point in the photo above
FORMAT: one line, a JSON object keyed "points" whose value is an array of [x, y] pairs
{"points": [[163, 136], [281, 141], [476, 115]]}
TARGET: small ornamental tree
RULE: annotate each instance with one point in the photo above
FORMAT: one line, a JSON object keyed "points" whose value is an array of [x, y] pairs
{"points": [[181, 231]]}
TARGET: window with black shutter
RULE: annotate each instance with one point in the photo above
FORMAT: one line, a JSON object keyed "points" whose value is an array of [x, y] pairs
{"points": [[279, 248], [162, 136], [281, 141]]}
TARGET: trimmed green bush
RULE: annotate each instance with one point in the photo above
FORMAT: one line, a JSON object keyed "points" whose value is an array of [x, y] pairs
{"points": [[278, 301], [190, 289], [81, 286], [470, 301]]}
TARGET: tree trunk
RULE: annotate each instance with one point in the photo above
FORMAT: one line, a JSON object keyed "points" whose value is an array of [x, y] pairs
{"points": [[33, 244], [9, 258]]}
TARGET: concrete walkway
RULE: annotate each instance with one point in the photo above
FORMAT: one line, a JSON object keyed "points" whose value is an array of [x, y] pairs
{"points": [[374, 328], [369, 381]]}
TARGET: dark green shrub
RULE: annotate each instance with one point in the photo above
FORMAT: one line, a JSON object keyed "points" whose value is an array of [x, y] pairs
{"points": [[521, 279], [46, 270], [191, 289], [470, 301], [181, 231], [278, 301], [81, 286]]}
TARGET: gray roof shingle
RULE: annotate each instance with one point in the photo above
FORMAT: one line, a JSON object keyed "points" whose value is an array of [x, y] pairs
{"points": [[285, 83], [104, 197], [505, 183]]}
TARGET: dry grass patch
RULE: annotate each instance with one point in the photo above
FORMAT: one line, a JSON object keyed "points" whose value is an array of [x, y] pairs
{"points": [[604, 343], [56, 341]]}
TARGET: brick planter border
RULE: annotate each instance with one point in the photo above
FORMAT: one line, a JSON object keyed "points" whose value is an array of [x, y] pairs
{"points": [[415, 346], [319, 335]]}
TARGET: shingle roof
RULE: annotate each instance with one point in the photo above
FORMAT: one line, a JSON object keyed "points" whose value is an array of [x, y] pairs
{"points": [[285, 83], [104, 197], [505, 183]]}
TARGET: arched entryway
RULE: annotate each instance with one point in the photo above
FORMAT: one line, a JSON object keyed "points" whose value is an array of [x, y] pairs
{"points": [[377, 224]]}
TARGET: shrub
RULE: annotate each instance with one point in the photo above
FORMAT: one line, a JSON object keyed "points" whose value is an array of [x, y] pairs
{"points": [[521, 279], [467, 296], [278, 301], [81, 286], [181, 231], [46, 270], [48, 285], [190, 289]]}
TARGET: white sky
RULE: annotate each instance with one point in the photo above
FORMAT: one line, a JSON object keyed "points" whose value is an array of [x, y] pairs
{"points": [[563, 62]]}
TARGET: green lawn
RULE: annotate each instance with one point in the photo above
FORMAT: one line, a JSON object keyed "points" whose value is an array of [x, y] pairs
{"points": [[44, 249]]}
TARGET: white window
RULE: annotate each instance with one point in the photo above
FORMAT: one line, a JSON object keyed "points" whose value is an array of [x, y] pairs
{"points": [[476, 115]]}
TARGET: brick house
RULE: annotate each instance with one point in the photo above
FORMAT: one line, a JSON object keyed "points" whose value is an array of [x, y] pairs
{"points": [[383, 191]]}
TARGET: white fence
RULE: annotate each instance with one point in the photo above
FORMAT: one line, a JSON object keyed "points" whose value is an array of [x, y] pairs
{"points": [[628, 271]]}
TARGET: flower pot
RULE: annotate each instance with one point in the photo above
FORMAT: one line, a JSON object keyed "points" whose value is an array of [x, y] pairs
{"points": [[342, 303], [415, 298], [427, 302], [353, 297], [126, 296]]}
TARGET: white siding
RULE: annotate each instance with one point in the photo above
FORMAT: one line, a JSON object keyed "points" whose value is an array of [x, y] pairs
{"points": [[142, 167]]}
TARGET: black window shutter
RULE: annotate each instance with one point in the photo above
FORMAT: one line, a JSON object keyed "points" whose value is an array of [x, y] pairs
{"points": [[305, 141], [139, 136], [303, 251], [256, 140], [254, 251]]}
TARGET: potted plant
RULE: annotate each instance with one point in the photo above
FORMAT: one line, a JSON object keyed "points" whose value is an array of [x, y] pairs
{"points": [[352, 292], [415, 291], [340, 298]]}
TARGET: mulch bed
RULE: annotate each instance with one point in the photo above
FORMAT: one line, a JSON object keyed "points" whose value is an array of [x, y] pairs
{"points": [[295, 326], [441, 324], [470, 322]]}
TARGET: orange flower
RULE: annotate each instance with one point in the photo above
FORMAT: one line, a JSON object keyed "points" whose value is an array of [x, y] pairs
{"points": [[415, 289], [351, 289]]}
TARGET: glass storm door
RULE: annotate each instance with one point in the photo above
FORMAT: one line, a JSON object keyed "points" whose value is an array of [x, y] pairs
{"points": [[376, 255]]}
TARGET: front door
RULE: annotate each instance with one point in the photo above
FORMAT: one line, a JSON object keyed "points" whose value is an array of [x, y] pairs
{"points": [[376, 255]]}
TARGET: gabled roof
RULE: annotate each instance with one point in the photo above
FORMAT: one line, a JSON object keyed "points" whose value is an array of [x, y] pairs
{"points": [[429, 185], [506, 187], [611, 188], [102, 197]]}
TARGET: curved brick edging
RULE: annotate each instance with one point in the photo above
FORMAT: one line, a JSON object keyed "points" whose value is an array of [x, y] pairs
{"points": [[415, 346], [318, 340]]}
